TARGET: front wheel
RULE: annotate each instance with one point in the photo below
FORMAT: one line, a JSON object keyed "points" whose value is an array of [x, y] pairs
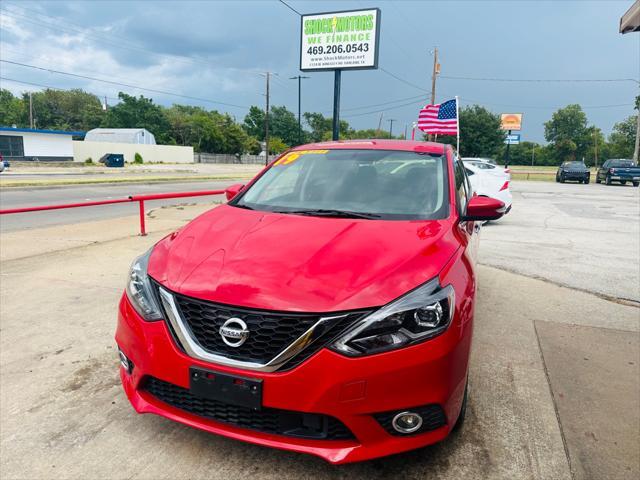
{"points": [[586, 180], [597, 179], [608, 180], [635, 184], [561, 179]]}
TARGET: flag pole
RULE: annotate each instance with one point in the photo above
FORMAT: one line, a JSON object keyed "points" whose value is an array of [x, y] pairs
{"points": [[458, 125]]}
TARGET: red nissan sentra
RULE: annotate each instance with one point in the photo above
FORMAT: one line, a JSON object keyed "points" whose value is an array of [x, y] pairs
{"points": [[327, 308]]}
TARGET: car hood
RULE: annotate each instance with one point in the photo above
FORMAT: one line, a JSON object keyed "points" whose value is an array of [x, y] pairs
{"points": [[299, 263]]}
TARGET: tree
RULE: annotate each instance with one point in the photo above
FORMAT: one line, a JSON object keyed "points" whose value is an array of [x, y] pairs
{"points": [[623, 137], [254, 123], [319, 125], [138, 112], [11, 109], [480, 133], [568, 133], [284, 124], [276, 145]]}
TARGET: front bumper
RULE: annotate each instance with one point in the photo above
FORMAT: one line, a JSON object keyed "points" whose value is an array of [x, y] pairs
{"points": [[351, 390], [575, 175]]}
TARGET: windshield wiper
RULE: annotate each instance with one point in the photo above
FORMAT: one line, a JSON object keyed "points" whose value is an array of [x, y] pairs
{"points": [[239, 205], [319, 212]]}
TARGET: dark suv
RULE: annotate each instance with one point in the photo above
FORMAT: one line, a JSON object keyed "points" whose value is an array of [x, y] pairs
{"points": [[576, 171]]}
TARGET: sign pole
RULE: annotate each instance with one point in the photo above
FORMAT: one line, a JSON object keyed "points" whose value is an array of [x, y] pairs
{"points": [[506, 156], [336, 103]]}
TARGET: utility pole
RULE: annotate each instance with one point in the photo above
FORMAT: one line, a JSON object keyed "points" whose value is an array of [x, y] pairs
{"points": [[30, 111], [434, 74], [533, 154], [405, 131], [595, 148], [300, 78], [636, 153], [106, 105], [380, 123], [391, 120], [266, 123]]}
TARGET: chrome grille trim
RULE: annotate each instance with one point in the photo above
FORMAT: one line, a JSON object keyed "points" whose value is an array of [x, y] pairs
{"points": [[194, 349]]}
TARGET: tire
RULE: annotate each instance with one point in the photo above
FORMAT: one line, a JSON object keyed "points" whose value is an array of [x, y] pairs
{"points": [[463, 408], [597, 178], [635, 184], [561, 179], [586, 181], [557, 179], [623, 182], [607, 180]]}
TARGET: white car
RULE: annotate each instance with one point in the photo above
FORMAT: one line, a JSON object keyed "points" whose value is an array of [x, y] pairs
{"points": [[488, 180]]}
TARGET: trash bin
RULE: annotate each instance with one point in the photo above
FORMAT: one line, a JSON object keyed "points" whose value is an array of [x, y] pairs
{"points": [[112, 160]]}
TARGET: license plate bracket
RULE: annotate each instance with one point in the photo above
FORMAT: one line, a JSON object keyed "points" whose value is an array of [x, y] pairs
{"points": [[222, 387]]}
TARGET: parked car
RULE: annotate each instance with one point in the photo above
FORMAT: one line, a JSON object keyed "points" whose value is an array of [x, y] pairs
{"points": [[619, 170], [327, 308], [490, 182], [490, 161], [575, 171]]}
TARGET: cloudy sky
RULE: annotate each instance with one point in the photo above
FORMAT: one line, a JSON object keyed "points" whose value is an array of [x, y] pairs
{"points": [[215, 51]]}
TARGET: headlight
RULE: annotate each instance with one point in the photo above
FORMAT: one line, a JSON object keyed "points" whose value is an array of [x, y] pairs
{"points": [[419, 315], [140, 290]]}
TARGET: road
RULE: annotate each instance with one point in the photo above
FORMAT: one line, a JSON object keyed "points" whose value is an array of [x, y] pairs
{"points": [[28, 197], [582, 236]]}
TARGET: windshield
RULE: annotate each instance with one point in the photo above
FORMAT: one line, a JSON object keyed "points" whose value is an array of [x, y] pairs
{"points": [[622, 163], [574, 164], [382, 183]]}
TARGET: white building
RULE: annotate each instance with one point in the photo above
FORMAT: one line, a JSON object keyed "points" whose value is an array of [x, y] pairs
{"points": [[138, 136], [32, 144]]}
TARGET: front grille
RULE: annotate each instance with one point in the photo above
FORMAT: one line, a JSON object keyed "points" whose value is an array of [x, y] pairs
{"points": [[269, 332], [432, 417], [267, 420]]}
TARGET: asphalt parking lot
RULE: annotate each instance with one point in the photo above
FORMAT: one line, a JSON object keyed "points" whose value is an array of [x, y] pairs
{"points": [[554, 376]]}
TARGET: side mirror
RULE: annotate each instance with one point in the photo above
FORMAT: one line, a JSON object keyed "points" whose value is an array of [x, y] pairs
{"points": [[233, 190], [484, 208]]}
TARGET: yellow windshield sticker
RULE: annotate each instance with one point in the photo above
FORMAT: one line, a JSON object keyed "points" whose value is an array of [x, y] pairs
{"points": [[293, 156]]}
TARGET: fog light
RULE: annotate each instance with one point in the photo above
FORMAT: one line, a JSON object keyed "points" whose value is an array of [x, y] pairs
{"points": [[407, 422], [125, 362]]}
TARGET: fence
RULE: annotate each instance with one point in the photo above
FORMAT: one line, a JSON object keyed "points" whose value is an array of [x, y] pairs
{"points": [[131, 198], [226, 158]]}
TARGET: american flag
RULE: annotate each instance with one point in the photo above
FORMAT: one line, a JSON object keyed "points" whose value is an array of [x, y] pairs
{"points": [[441, 119]]}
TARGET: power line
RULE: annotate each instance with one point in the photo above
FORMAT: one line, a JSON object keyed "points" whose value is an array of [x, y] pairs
{"points": [[403, 80], [543, 80], [163, 92], [289, 7], [100, 96]]}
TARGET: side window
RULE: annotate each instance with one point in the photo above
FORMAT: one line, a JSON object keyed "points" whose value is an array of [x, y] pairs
{"points": [[461, 187], [606, 164], [469, 172]]}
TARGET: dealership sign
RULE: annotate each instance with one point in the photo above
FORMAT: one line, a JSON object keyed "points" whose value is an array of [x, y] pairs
{"points": [[345, 40], [511, 121]]}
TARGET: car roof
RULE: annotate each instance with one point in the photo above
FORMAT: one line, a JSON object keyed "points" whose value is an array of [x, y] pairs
{"points": [[376, 144]]}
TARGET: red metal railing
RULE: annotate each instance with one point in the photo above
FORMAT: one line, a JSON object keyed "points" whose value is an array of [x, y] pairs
{"points": [[132, 198]]}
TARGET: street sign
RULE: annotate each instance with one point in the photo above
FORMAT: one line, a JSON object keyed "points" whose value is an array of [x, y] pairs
{"points": [[511, 121], [346, 40], [512, 139]]}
